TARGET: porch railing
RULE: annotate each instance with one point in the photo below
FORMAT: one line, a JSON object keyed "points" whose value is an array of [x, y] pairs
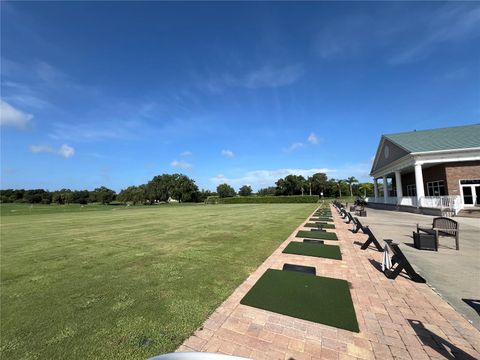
{"points": [[449, 203]]}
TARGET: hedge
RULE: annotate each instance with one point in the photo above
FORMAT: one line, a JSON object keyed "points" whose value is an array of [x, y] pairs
{"points": [[262, 199]]}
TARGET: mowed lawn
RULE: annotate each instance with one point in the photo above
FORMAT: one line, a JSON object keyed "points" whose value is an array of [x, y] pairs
{"points": [[126, 284]]}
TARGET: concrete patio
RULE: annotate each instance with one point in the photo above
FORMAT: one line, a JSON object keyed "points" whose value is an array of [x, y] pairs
{"points": [[398, 319], [455, 275]]}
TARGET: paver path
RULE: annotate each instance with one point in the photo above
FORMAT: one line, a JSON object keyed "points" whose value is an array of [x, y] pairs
{"points": [[398, 319]]}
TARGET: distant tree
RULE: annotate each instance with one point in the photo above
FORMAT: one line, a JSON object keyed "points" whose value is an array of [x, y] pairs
{"points": [[245, 190], [204, 194], [104, 195], [350, 181], [366, 189], [268, 191], [291, 185], [318, 183], [176, 186], [225, 190]]}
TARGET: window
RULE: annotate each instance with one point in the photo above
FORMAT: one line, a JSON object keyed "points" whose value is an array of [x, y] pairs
{"points": [[411, 190], [436, 188]]}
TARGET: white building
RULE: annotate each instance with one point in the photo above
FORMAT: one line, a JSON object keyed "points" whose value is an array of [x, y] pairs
{"points": [[430, 171]]}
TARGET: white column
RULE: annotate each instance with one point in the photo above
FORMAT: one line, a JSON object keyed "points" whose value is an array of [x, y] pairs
{"points": [[375, 188], [419, 183], [398, 180], [385, 189]]}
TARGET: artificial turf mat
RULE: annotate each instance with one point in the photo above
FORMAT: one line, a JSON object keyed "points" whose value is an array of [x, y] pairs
{"points": [[304, 296], [317, 250], [321, 219], [317, 235], [314, 225]]}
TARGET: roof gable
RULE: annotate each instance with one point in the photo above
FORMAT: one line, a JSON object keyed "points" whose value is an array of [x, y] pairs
{"points": [[387, 153]]}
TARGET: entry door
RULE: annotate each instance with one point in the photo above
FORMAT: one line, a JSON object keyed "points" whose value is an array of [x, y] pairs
{"points": [[471, 195], [468, 195]]}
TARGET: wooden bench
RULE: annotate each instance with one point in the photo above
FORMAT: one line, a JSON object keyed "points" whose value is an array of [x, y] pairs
{"points": [[442, 226]]}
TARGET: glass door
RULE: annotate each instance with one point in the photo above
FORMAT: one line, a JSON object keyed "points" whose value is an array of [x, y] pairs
{"points": [[468, 195], [477, 193]]}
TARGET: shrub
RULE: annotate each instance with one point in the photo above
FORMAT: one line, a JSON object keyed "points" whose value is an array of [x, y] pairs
{"points": [[263, 199]]}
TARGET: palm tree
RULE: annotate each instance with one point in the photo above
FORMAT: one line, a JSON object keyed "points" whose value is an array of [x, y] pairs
{"points": [[351, 180]]}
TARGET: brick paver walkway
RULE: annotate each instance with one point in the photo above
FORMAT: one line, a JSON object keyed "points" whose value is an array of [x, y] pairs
{"points": [[398, 319]]}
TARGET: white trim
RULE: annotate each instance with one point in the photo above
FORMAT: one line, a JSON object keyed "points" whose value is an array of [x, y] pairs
{"points": [[471, 154]]}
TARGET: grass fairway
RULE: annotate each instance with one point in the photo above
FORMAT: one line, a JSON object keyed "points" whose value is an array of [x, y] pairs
{"points": [[126, 284]]}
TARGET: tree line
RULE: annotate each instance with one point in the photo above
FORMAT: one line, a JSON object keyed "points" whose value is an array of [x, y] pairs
{"points": [[179, 187]]}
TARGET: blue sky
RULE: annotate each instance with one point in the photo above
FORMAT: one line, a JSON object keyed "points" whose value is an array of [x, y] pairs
{"points": [[114, 93]]}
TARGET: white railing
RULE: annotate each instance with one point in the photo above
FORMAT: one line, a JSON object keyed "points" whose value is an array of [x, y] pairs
{"points": [[407, 201], [445, 203], [452, 203]]}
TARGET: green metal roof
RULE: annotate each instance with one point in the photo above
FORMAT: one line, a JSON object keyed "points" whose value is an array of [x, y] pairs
{"points": [[458, 137]]}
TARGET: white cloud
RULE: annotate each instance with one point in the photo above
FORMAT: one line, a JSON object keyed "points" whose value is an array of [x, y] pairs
{"points": [[294, 146], [181, 164], [272, 77], [312, 138], [262, 178], [9, 116], [186, 153], [228, 153], [65, 150], [267, 76]]}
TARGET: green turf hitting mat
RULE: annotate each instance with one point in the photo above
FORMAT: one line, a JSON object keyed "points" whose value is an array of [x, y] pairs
{"points": [[317, 235], [314, 298], [317, 250], [325, 225], [321, 219]]}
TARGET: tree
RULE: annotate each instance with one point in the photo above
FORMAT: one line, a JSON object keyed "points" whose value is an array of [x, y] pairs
{"points": [[176, 186], [350, 181], [318, 183], [291, 185], [268, 191], [366, 188], [104, 195], [225, 190], [245, 190]]}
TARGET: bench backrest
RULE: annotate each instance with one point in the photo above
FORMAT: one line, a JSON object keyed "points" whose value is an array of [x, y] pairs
{"points": [[446, 225]]}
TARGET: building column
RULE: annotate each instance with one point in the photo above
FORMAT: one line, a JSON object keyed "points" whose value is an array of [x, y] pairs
{"points": [[398, 181], [375, 187], [385, 189], [419, 183]]}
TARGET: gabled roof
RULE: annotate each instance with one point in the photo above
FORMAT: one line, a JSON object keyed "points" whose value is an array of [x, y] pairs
{"points": [[458, 137], [401, 145]]}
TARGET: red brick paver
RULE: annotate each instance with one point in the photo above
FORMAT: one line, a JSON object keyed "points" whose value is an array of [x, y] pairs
{"points": [[398, 319]]}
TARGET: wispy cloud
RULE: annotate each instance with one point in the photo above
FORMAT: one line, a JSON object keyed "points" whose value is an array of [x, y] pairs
{"points": [[267, 76], [65, 150], [186, 153], [263, 178], [294, 146], [312, 138], [449, 24], [228, 153], [181, 164], [10, 116], [341, 38]]}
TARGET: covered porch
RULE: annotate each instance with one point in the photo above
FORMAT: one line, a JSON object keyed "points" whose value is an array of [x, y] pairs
{"points": [[406, 188]]}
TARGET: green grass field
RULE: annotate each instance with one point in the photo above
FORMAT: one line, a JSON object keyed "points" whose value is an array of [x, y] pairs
{"points": [[125, 283]]}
